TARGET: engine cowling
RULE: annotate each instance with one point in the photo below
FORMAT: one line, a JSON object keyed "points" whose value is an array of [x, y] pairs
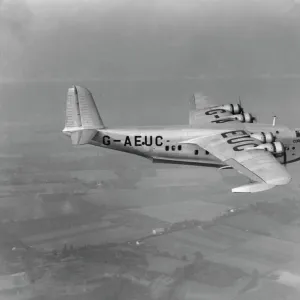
{"points": [[232, 108], [275, 147], [264, 137], [245, 118]]}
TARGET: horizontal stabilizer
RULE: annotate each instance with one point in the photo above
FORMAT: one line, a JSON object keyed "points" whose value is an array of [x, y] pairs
{"points": [[82, 136], [253, 188]]}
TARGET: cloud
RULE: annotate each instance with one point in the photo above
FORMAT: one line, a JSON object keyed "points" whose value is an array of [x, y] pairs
{"points": [[289, 279]]}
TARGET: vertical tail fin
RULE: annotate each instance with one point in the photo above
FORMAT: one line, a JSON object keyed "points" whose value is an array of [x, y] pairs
{"points": [[82, 117]]}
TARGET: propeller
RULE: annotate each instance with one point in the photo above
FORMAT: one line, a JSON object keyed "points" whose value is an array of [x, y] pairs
{"points": [[254, 119], [240, 103]]}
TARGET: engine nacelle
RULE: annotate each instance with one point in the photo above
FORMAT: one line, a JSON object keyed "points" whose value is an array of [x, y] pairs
{"points": [[232, 108], [245, 118], [264, 137], [275, 147]]}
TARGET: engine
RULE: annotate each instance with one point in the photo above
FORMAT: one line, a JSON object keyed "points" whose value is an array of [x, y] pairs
{"points": [[232, 108], [275, 147], [245, 118], [264, 137]]}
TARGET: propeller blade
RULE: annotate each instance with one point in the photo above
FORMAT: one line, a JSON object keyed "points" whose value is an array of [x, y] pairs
{"points": [[242, 109]]}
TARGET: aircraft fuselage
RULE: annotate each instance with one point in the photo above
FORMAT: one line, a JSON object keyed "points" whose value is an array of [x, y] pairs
{"points": [[163, 144]]}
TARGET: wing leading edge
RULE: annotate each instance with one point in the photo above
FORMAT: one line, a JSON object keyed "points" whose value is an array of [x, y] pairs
{"points": [[260, 166]]}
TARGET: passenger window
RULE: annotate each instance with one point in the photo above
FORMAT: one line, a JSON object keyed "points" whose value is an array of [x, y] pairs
{"points": [[173, 148], [298, 133], [206, 152], [196, 152], [179, 147], [167, 148]]}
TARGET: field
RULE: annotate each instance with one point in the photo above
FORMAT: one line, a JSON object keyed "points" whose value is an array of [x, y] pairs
{"points": [[245, 255]]}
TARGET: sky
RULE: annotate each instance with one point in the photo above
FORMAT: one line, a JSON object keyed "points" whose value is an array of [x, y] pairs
{"points": [[142, 39], [143, 59]]}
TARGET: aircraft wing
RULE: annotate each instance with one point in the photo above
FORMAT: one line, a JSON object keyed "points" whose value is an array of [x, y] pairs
{"points": [[202, 110], [260, 166]]}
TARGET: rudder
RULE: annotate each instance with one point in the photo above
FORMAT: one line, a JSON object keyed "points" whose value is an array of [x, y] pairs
{"points": [[90, 117]]}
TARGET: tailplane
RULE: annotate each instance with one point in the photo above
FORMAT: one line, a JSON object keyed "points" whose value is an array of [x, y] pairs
{"points": [[82, 119]]}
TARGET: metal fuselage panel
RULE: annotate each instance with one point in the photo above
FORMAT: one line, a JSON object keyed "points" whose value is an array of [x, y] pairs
{"points": [[161, 144]]}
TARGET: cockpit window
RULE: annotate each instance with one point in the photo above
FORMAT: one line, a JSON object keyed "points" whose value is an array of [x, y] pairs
{"points": [[298, 133]]}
